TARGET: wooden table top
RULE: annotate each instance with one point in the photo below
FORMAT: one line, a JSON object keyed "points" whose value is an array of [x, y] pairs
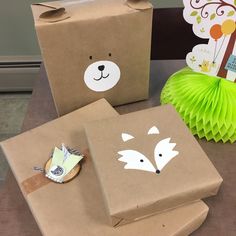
{"points": [[16, 218]]}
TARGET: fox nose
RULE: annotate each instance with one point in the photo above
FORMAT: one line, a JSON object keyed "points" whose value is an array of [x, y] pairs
{"points": [[101, 68], [158, 172]]}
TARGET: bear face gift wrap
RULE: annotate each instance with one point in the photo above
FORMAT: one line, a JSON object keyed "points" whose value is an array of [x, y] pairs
{"points": [[95, 49], [63, 209], [148, 162]]}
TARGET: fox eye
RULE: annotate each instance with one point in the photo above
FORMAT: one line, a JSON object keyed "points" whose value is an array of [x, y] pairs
{"points": [[141, 160], [160, 155], [109, 54], [90, 57]]}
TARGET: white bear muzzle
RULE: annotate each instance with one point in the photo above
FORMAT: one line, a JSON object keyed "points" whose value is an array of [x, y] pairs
{"points": [[101, 76]]}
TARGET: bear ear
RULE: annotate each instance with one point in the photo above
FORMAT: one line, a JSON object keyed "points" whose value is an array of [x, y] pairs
{"points": [[139, 4], [126, 137], [153, 130]]}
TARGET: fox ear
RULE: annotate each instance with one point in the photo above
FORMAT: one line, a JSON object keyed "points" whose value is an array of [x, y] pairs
{"points": [[126, 137], [153, 130]]}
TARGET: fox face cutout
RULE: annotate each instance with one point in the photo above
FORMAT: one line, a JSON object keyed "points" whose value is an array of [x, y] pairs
{"points": [[163, 154]]}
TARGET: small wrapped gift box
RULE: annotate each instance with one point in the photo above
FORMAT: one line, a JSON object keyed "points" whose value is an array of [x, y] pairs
{"points": [[148, 162], [77, 207], [95, 49]]}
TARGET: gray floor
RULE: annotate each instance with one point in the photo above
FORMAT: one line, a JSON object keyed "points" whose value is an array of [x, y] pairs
{"points": [[13, 107]]}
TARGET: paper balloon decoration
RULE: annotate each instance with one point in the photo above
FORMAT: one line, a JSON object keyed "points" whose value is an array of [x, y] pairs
{"points": [[213, 20], [207, 104], [228, 27], [216, 32]]}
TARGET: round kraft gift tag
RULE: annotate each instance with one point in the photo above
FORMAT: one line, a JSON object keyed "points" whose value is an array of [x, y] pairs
{"points": [[57, 172]]}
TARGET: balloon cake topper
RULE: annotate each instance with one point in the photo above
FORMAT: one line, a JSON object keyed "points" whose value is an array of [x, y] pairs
{"points": [[213, 20]]}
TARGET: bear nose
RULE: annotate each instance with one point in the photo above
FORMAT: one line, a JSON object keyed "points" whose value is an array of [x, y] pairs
{"points": [[158, 172], [101, 68]]}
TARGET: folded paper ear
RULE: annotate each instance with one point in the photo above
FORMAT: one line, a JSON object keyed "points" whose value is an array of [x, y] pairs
{"points": [[139, 4], [52, 12]]}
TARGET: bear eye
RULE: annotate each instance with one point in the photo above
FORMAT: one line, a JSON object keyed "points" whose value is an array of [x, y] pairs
{"points": [[160, 155], [141, 160], [109, 54], [90, 57]]}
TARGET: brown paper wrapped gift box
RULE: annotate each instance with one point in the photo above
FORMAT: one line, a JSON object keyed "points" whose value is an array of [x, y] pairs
{"points": [[131, 193], [78, 206], [93, 35]]}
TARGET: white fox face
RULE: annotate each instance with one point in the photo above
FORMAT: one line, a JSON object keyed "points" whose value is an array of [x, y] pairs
{"points": [[136, 160], [163, 154]]}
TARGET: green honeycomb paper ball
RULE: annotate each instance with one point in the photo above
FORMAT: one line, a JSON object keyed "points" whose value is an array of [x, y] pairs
{"points": [[207, 104]]}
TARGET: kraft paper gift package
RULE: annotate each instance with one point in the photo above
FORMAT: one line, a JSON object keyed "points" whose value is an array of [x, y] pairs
{"points": [[78, 206], [148, 162], [90, 53]]}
